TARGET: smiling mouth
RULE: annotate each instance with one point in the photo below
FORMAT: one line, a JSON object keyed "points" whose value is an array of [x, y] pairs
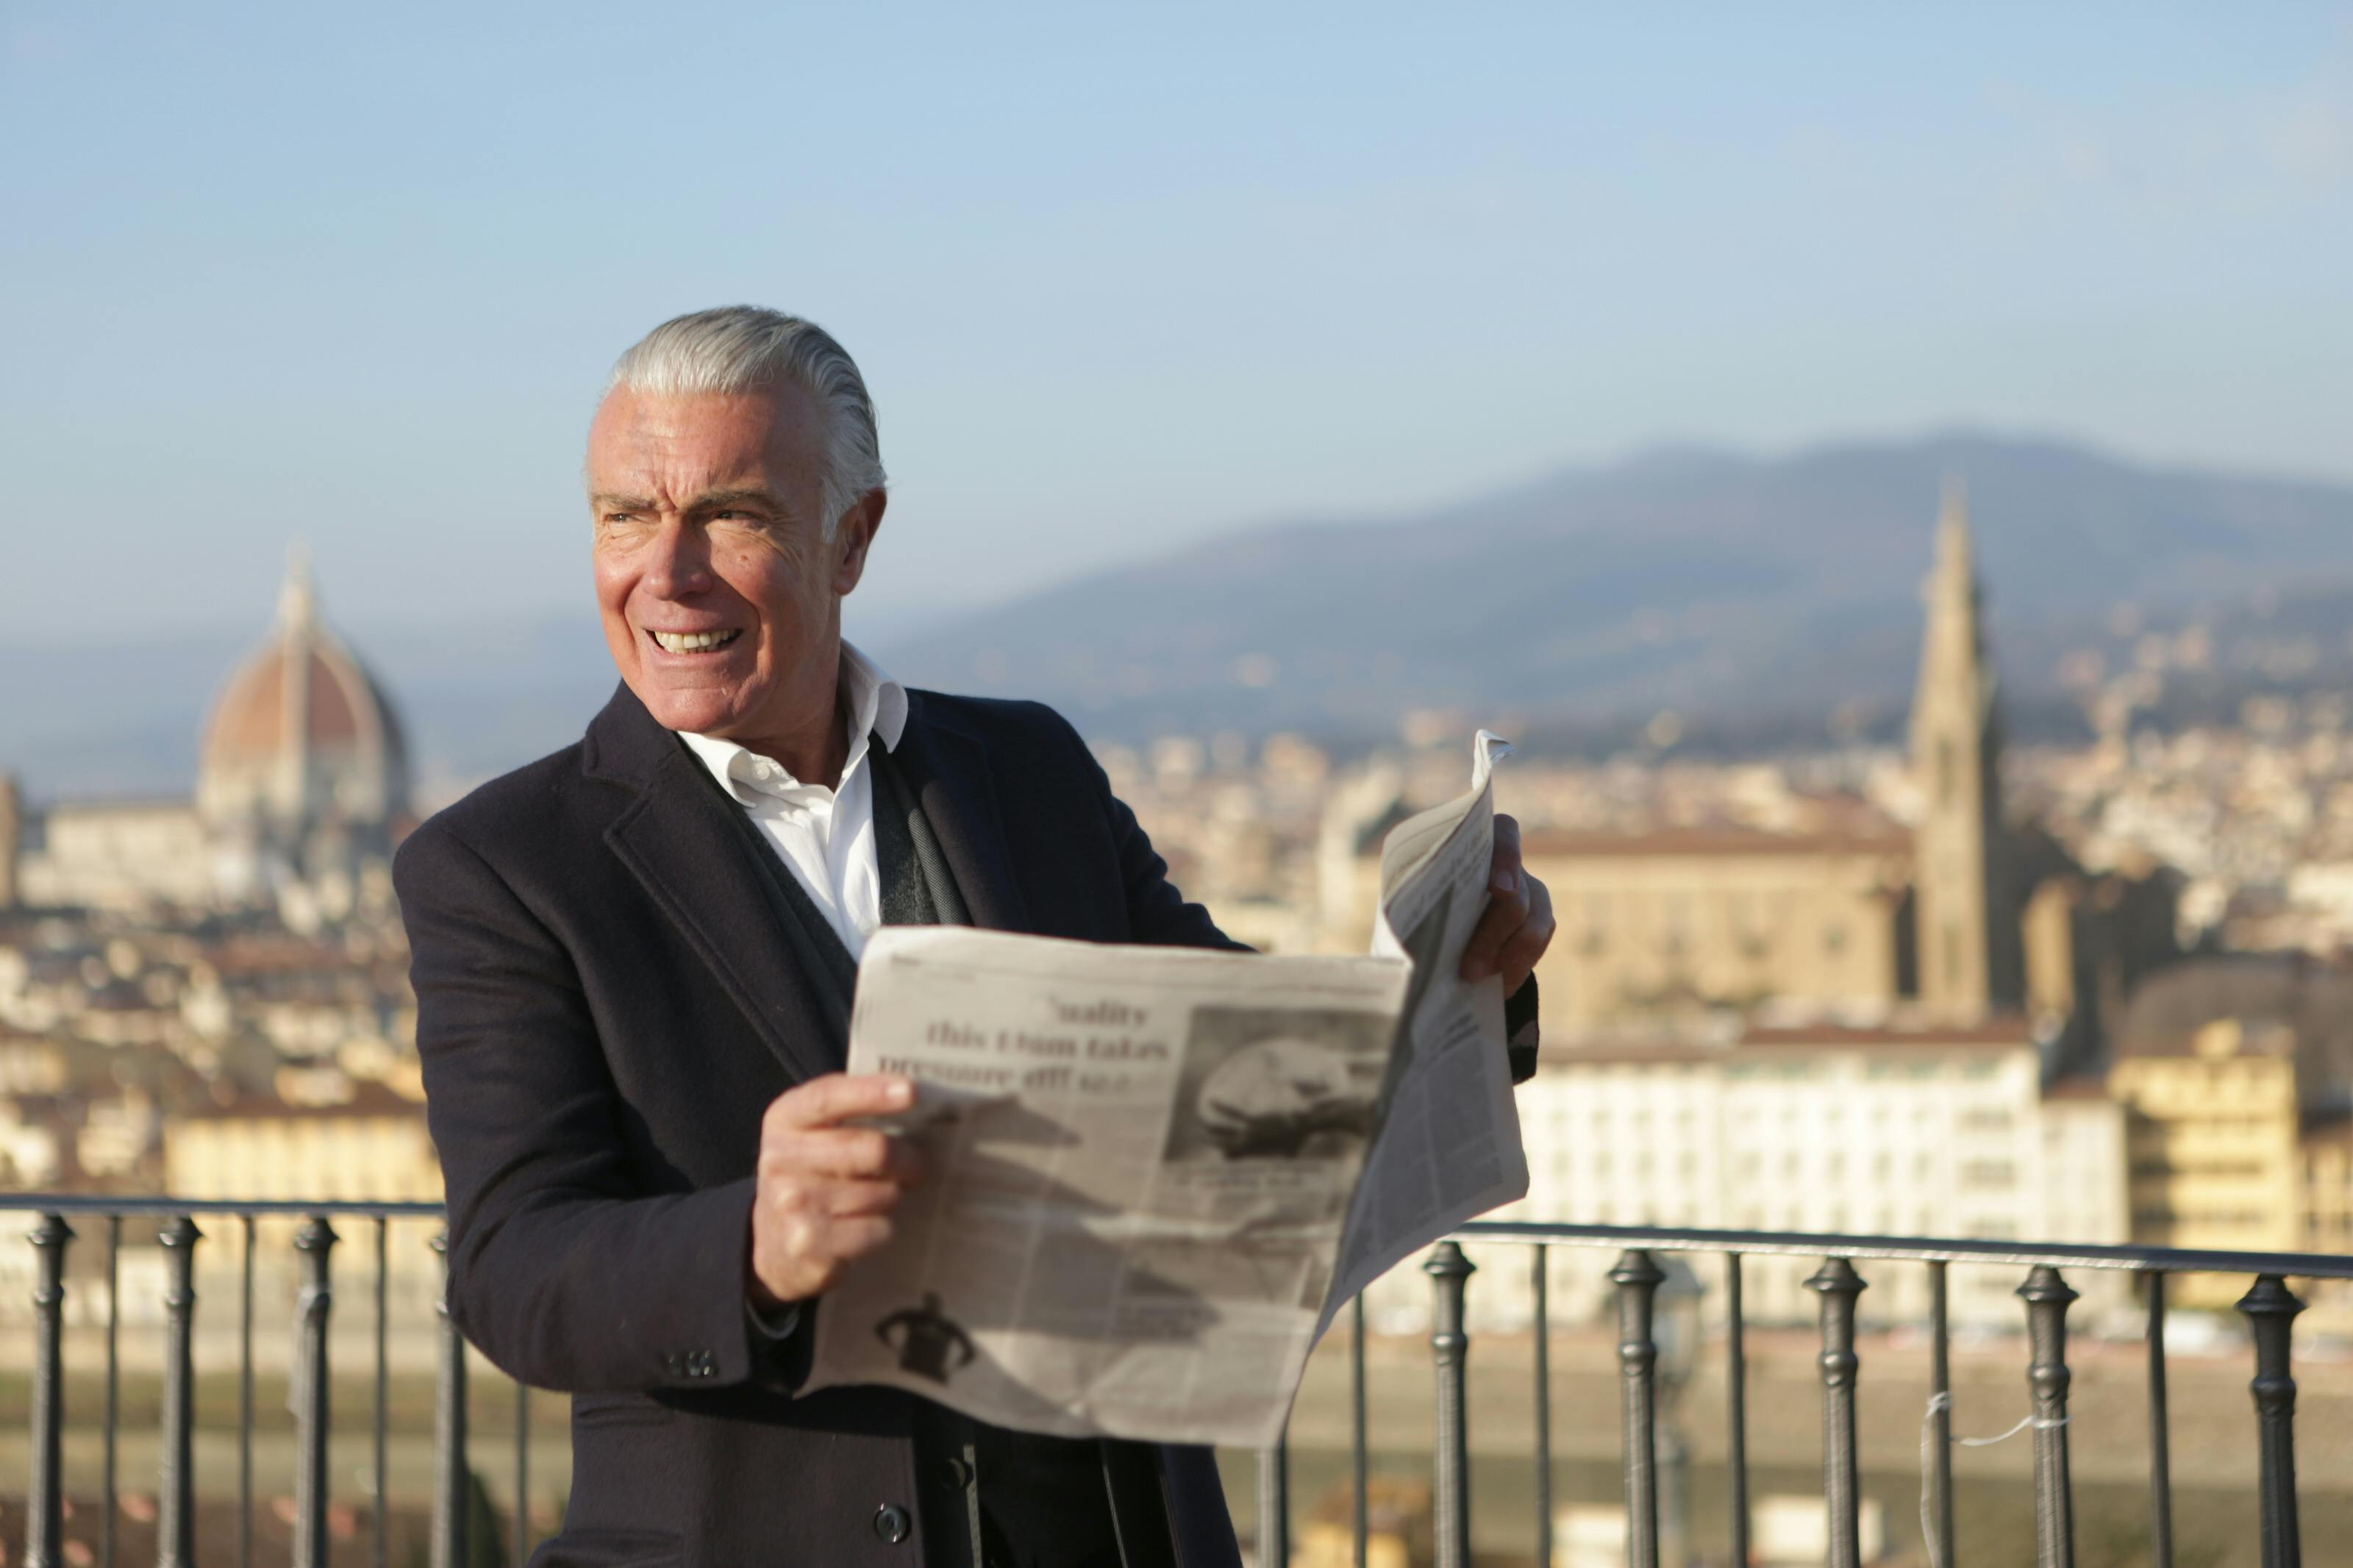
{"points": [[693, 642]]}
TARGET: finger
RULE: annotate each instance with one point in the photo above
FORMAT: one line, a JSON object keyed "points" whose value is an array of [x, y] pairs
{"points": [[1506, 912], [856, 1154], [836, 1097], [1506, 862], [861, 1200], [856, 1237], [1519, 956]]}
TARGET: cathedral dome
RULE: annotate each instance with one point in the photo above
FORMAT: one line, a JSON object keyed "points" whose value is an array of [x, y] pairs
{"points": [[301, 733]]}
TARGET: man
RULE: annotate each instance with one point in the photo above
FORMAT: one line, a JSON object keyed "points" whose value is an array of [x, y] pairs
{"points": [[634, 963]]}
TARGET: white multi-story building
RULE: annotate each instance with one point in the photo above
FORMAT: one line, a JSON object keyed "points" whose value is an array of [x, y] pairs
{"points": [[1933, 1130]]}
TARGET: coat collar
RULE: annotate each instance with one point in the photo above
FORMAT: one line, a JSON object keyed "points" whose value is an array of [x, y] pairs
{"points": [[683, 840], [946, 764]]}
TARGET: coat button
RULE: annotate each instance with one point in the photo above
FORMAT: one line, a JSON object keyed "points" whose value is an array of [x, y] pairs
{"points": [[958, 1473], [894, 1523]]}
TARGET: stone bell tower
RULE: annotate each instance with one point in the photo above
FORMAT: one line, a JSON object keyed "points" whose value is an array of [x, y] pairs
{"points": [[1964, 909]]}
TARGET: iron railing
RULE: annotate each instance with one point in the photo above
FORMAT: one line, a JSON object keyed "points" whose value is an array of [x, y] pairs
{"points": [[180, 1235], [2268, 1305]]}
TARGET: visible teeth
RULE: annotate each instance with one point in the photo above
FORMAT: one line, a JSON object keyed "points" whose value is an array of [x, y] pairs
{"points": [[695, 642]]}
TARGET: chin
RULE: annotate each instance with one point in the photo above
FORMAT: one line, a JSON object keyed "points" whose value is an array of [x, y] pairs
{"points": [[693, 712]]}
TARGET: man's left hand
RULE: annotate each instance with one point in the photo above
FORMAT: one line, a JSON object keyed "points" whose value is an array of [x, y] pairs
{"points": [[1517, 927]]}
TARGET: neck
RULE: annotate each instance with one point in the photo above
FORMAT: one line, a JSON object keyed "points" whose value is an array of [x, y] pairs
{"points": [[816, 755], [816, 748]]}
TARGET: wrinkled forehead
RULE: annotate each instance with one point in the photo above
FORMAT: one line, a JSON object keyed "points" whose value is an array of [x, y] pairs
{"points": [[670, 447]]}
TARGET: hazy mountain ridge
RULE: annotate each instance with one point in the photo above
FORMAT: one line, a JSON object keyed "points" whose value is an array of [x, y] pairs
{"points": [[1693, 579], [1758, 592]]}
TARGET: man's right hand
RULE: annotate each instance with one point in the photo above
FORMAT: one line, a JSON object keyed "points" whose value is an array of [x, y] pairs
{"points": [[826, 1191]]}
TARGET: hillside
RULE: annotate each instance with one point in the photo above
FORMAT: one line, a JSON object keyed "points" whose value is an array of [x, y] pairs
{"points": [[1703, 581], [1755, 596]]}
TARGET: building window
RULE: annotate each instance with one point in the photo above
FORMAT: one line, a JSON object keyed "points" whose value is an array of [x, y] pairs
{"points": [[1985, 1174]]}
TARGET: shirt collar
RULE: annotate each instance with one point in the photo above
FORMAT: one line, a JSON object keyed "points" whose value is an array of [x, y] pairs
{"points": [[877, 706]]}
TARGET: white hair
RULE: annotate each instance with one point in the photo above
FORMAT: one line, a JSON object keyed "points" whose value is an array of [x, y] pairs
{"points": [[748, 348]]}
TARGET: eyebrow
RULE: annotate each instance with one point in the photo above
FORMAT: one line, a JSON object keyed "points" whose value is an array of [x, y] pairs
{"points": [[709, 500], [713, 500]]}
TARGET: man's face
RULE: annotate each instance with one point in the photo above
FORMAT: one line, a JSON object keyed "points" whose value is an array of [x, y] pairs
{"points": [[721, 598]]}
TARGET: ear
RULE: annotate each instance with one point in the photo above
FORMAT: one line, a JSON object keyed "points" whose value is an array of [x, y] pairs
{"points": [[853, 537]]}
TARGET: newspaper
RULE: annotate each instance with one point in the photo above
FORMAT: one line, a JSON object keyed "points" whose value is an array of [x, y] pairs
{"points": [[1155, 1174]]}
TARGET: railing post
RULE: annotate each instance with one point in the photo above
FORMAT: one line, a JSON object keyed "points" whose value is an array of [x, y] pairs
{"points": [[449, 1474], [1450, 1349], [108, 1493], [380, 1413], [44, 1494], [1838, 1285], [175, 1517], [1274, 1504], [2047, 1298], [314, 1242], [2160, 1434], [2270, 1308], [1736, 1402], [245, 1397], [1940, 1408], [1360, 1464], [1638, 1277], [1540, 1282]]}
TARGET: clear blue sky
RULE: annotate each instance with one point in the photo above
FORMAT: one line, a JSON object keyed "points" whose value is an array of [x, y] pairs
{"points": [[1117, 280]]}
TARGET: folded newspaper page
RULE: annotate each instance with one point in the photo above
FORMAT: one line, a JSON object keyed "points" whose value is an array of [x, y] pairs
{"points": [[1155, 1173]]}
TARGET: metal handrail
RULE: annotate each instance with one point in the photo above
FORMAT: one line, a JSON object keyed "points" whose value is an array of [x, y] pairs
{"points": [[2269, 1307], [180, 1237], [1918, 1250], [157, 1207]]}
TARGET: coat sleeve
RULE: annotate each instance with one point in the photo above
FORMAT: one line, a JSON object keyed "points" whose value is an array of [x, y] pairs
{"points": [[1157, 912], [561, 1271]]}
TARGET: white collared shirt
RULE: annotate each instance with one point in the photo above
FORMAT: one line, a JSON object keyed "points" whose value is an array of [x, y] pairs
{"points": [[824, 837]]}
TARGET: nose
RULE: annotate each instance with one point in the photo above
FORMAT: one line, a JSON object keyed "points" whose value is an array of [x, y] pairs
{"points": [[677, 563]]}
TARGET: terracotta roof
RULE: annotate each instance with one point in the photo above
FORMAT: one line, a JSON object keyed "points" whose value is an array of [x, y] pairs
{"points": [[1713, 843], [369, 1099], [1554, 1053], [1627, 1050], [2000, 1032], [344, 708]]}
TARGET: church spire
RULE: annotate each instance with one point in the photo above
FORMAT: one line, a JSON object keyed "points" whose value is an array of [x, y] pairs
{"points": [[1955, 551], [1965, 937]]}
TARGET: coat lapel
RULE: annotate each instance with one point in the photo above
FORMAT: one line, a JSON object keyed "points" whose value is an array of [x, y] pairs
{"points": [[693, 860], [947, 767]]}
